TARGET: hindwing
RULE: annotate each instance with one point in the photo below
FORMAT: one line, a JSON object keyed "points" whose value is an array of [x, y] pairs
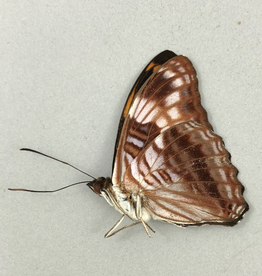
{"points": [[185, 177]]}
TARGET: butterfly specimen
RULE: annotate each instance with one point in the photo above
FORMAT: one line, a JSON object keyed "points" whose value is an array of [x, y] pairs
{"points": [[168, 164]]}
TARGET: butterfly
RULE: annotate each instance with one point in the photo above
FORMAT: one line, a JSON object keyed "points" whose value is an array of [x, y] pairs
{"points": [[168, 163]]}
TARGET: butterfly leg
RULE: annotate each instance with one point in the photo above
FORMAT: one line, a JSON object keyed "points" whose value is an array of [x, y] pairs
{"points": [[150, 227], [108, 235], [139, 214], [114, 227], [144, 224]]}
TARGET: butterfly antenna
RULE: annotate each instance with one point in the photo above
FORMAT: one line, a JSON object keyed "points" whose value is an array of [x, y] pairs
{"points": [[25, 149], [34, 191]]}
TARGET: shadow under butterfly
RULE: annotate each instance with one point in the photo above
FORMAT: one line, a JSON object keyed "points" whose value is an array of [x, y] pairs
{"points": [[168, 164]]}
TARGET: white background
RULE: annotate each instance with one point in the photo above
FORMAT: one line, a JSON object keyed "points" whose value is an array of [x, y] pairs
{"points": [[66, 68]]}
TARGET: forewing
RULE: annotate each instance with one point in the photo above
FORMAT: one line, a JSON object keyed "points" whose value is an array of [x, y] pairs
{"points": [[185, 177], [149, 70], [168, 97]]}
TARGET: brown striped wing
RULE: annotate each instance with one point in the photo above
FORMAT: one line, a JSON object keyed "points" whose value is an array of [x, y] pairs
{"points": [[185, 177], [149, 70], [168, 97]]}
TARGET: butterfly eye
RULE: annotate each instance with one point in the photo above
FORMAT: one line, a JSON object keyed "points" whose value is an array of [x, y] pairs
{"points": [[98, 184], [97, 187]]}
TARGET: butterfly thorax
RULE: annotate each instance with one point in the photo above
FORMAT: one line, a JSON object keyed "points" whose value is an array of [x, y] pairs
{"points": [[126, 203]]}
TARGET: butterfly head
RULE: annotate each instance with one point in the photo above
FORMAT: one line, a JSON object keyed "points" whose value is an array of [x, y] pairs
{"points": [[99, 184]]}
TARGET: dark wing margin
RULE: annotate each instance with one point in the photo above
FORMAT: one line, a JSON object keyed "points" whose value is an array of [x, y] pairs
{"points": [[152, 66]]}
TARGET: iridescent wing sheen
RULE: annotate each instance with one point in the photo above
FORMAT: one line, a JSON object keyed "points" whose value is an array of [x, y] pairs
{"points": [[185, 176], [166, 97]]}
